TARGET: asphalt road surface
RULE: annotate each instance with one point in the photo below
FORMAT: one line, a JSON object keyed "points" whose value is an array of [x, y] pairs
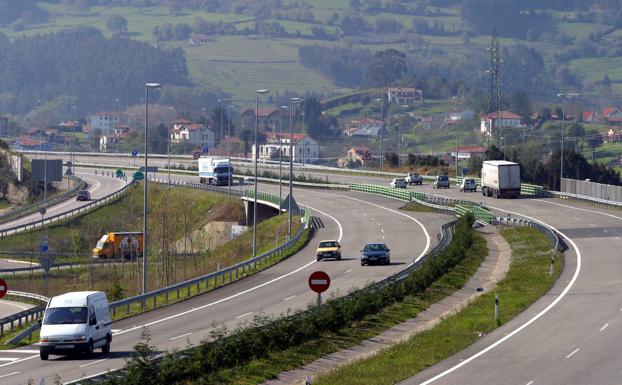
{"points": [[353, 218], [8, 308], [570, 336], [98, 185]]}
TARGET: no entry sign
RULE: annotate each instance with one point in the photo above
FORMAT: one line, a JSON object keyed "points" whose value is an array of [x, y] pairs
{"points": [[3, 288], [319, 281]]}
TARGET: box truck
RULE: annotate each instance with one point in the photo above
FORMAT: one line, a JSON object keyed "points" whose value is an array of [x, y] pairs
{"points": [[217, 171], [500, 179], [119, 245], [77, 322]]}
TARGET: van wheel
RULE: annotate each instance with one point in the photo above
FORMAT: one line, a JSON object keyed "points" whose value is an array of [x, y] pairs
{"points": [[90, 349], [106, 347], [44, 355]]}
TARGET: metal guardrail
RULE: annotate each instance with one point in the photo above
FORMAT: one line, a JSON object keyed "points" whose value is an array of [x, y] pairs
{"points": [[446, 237], [34, 207], [607, 204], [459, 207], [23, 317], [54, 218], [208, 281]]}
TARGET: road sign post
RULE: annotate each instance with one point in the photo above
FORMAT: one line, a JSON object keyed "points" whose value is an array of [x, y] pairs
{"points": [[319, 282], [134, 155], [3, 288]]}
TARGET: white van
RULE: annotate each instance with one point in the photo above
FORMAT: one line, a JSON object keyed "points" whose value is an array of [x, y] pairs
{"points": [[76, 322]]}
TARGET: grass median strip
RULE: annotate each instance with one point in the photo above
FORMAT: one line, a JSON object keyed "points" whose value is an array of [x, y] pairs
{"points": [[527, 280]]}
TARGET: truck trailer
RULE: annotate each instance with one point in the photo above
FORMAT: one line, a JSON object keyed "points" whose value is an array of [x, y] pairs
{"points": [[500, 179], [119, 245], [217, 171]]}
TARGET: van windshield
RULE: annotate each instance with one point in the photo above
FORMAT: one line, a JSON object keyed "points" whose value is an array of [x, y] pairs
{"points": [[65, 315], [100, 244]]}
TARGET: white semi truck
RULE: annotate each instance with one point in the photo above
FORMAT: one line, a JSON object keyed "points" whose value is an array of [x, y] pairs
{"points": [[500, 179], [217, 171]]}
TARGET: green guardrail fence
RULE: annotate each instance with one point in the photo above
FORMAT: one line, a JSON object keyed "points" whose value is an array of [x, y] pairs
{"points": [[461, 207], [263, 196]]}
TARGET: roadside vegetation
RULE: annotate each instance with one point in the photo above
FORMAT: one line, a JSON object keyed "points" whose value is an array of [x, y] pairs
{"points": [[527, 280], [267, 346], [173, 214], [120, 280]]}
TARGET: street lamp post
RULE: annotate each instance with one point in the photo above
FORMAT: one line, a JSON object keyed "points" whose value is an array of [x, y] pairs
{"points": [[147, 87], [283, 108], [292, 102], [170, 127], [564, 96], [380, 132], [221, 117], [229, 150], [257, 93]]}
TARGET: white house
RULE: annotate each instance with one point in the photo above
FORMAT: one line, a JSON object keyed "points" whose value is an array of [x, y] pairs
{"points": [[467, 152], [461, 115], [195, 133], [107, 121], [405, 96], [364, 127], [499, 119], [305, 148]]}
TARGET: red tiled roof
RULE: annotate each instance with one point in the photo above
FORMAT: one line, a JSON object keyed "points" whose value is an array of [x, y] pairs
{"points": [[402, 89], [608, 110], [296, 137], [617, 120], [502, 115], [587, 115]]}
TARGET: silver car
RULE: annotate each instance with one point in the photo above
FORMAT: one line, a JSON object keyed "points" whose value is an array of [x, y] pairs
{"points": [[441, 181]]}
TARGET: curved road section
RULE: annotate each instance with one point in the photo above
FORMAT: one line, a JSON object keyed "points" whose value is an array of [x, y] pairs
{"points": [[353, 218], [571, 335], [98, 185]]}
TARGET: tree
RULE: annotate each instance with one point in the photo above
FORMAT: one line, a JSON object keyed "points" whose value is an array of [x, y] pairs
{"points": [[521, 104], [386, 68], [116, 24], [391, 158], [182, 31], [246, 135]]}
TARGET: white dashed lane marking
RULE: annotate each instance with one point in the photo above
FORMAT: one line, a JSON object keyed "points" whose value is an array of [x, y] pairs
{"points": [[604, 327], [573, 352], [178, 337], [244, 315]]}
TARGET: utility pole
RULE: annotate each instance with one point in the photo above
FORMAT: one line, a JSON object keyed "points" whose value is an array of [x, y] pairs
{"points": [[494, 88], [257, 93], [564, 96], [292, 101]]}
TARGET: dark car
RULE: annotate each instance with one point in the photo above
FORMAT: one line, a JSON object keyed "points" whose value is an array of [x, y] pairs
{"points": [[375, 253], [83, 195]]}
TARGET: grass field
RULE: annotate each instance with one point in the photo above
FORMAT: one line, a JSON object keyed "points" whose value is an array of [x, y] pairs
{"points": [[526, 281]]}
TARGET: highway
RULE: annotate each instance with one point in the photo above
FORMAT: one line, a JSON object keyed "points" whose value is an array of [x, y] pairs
{"points": [[353, 218], [570, 336], [8, 308], [98, 185]]}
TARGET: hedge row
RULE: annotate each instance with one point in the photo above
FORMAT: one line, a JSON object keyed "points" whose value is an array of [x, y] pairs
{"points": [[265, 335]]}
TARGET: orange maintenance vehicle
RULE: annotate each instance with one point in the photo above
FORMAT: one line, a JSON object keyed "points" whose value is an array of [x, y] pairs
{"points": [[119, 245]]}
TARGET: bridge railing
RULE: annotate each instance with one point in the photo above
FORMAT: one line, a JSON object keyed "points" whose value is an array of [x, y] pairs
{"points": [[23, 317]]}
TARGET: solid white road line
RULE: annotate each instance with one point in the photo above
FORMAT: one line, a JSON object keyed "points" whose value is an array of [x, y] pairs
{"points": [[529, 383], [573, 352], [8, 359], [178, 337], [244, 315], [93, 363], [288, 298], [22, 351], [531, 320], [604, 327], [8, 374], [207, 305]]}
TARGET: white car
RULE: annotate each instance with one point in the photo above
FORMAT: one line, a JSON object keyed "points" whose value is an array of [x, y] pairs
{"points": [[413, 177], [76, 322], [398, 183], [468, 184]]}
